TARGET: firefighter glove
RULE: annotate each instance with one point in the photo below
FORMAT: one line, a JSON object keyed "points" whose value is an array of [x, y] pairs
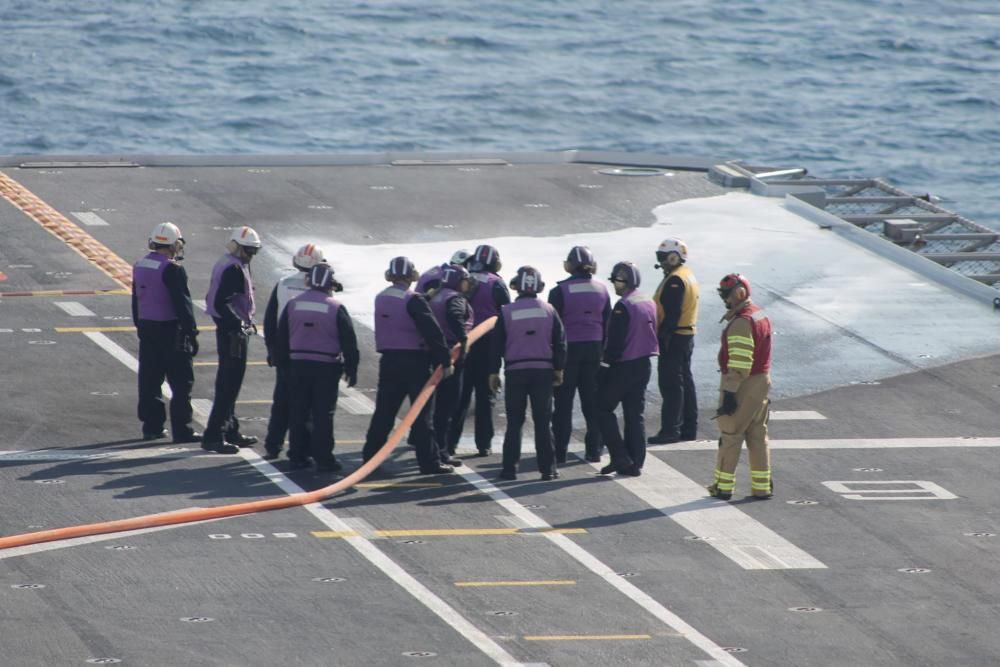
{"points": [[728, 406], [557, 378], [495, 382]]}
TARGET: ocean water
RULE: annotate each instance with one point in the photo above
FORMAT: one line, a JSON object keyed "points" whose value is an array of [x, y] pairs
{"points": [[904, 89]]}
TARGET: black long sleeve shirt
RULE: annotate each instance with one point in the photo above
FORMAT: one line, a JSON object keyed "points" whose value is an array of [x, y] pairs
{"points": [[671, 301], [175, 278], [418, 308], [617, 334], [498, 344]]}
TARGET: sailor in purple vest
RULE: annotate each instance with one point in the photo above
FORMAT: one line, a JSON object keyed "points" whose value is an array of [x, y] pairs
{"points": [[411, 343], [230, 302], [584, 306], [168, 335], [625, 372], [431, 278], [529, 338], [290, 285], [316, 339], [488, 295], [454, 315]]}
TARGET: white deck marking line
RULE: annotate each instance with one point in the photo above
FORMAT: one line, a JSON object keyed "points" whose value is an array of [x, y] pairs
{"points": [[91, 539], [201, 304], [787, 415], [585, 558], [89, 218], [736, 535], [362, 528], [842, 443], [354, 401], [390, 568], [75, 309]]}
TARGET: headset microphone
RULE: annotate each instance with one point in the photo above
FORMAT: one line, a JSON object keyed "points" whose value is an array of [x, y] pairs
{"points": [[657, 266]]}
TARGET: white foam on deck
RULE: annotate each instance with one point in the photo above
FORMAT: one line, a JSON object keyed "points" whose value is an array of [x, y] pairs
{"points": [[841, 313]]}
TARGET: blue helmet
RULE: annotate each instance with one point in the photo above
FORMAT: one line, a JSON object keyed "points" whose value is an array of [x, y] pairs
{"points": [[401, 268], [580, 258], [626, 272], [321, 277], [527, 281], [485, 258], [452, 276]]}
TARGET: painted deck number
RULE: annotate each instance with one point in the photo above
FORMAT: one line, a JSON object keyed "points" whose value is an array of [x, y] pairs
{"points": [[890, 490]]}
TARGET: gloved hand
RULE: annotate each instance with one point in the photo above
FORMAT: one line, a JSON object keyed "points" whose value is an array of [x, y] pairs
{"points": [[351, 377], [447, 371], [495, 382], [728, 406], [557, 378]]}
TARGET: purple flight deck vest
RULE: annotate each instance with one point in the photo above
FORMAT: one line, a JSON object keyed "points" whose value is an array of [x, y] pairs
{"points": [[483, 305], [439, 306], [640, 340], [312, 328], [152, 296], [528, 324], [584, 300], [243, 303], [394, 328]]}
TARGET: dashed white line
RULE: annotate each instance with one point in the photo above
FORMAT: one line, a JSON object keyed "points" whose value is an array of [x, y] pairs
{"points": [[790, 415], [75, 309], [89, 218]]}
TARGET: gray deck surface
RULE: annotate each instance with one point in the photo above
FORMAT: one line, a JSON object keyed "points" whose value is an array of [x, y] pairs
{"points": [[812, 577]]}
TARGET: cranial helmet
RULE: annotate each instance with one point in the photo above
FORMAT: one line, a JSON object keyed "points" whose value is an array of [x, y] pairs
{"points": [[672, 252], [401, 268], [486, 258], [452, 276], [627, 273], [321, 277], [246, 237], [731, 282], [460, 257], [308, 256], [165, 234], [580, 258], [527, 281]]}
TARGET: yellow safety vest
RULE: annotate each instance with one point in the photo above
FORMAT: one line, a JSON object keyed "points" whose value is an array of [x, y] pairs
{"points": [[689, 308]]}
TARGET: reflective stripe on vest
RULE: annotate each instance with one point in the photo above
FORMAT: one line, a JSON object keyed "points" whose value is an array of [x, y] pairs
{"points": [[528, 324], [584, 301], [312, 328]]}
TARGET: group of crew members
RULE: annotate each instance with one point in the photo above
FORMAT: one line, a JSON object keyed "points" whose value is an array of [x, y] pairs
{"points": [[574, 342]]}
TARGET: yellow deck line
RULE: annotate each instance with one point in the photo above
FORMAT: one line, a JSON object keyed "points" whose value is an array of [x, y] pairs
{"points": [[445, 532], [550, 582], [566, 638]]}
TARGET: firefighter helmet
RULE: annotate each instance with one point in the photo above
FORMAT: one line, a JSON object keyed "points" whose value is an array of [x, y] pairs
{"points": [[308, 256], [486, 258], [528, 280], [731, 282], [580, 258], [401, 268], [626, 272], [672, 252]]}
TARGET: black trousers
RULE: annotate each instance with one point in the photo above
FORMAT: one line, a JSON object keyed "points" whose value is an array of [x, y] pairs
{"points": [[402, 375], [232, 348], [624, 383], [277, 424], [679, 412], [449, 393], [160, 358], [535, 385], [313, 387], [580, 375], [476, 379]]}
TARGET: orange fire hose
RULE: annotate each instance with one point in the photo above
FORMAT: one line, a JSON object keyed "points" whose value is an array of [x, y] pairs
{"points": [[295, 500]]}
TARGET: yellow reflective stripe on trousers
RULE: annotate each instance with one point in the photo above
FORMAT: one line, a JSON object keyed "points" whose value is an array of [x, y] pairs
{"points": [[746, 365]]}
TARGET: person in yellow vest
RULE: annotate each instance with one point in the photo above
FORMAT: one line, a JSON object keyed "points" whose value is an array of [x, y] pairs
{"points": [[745, 363], [676, 316]]}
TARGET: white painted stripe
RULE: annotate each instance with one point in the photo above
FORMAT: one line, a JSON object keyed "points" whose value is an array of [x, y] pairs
{"points": [[736, 535], [390, 568], [114, 349], [785, 415], [202, 407], [90, 539], [582, 556], [200, 303], [89, 218], [362, 528], [843, 443], [75, 309], [354, 401]]}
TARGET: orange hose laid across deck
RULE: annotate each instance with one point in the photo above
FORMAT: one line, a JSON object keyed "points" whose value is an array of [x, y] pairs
{"points": [[205, 513]]}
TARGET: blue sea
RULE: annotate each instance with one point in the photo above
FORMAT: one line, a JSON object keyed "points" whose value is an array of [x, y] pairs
{"points": [[906, 90]]}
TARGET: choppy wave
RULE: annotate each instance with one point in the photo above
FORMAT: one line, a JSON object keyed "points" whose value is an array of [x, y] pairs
{"points": [[902, 90]]}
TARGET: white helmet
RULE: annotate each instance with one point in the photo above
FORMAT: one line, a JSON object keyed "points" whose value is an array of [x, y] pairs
{"points": [[308, 256], [672, 252], [245, 236], [165, 234], [460, 257]]}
